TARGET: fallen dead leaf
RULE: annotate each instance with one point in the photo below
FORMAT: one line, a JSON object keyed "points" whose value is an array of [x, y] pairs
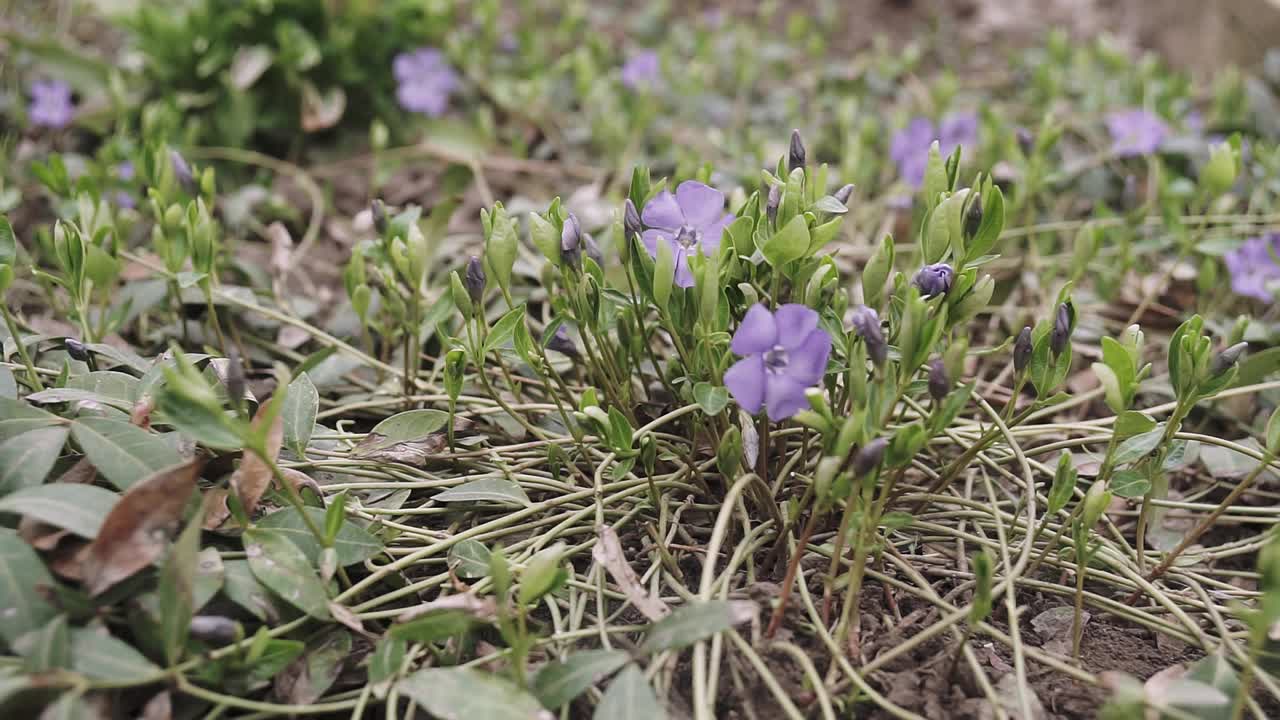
{"points": [[39, 535], [159, 707], [321, 111], [608, 552], [468, 602], [413, 452], [300, 480], [281, 249], [347, 617], [251, 480], [82, 473], [216, 511], [141, 413], [137, 530]]}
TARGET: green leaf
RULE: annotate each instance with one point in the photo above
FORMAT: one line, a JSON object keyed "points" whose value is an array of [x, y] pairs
{"points": [[455, 693], [298, 416], [209, 577], [406, 426], [559, 682], [1137, 447], [469, 559], [1129, 484], [26, 459], [48, 648], [504, 329], [279, 564], [692, 623], [497, 490], [1132, 422], [629, 697], [177, 591], [99, 656], [386, 659], [353, 543], [789, 243], [22, 574], [8, 384], [315, 672], [434, 626], [79, 509], [991, 225], [711, 398], [8, 243], [123, 452], [543, 573], [242, 588]]}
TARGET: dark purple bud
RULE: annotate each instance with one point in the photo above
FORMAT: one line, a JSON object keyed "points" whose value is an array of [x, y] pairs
{"points": [[593, 250], [378, 210], [182, 172], [571, 241], [869, 457], [631, 219], [1060, 336], [796, 156], [934, 279], [1228, 358], [562, 343], [77, 350], [214, 629], [1026, 141], [866, 323], [1022, 350], [475, 280], [844, 193], [772, 203], [973, 216], [939, 380]]}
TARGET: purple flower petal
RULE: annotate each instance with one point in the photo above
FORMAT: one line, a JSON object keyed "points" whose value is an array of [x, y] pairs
{"points": [[642, 70], [757, 333], [1135, 132], [713, 233], [795, 322], [783, 397], [663, 212], [745, 381], [684, 276], [1253, 267], [650, 239], [700, 204], [808, 361]]}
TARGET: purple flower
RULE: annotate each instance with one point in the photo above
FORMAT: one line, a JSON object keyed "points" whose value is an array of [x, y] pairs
{"points": [[124, 200], [1253, 267], [125, 171], [909, 148], [425, 81], [642, 71], [934, 279], [690, 219], [51, 104], [1135, 132], [866, 323], [785, 354]]}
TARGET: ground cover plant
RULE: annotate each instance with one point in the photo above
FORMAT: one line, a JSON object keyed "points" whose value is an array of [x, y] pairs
{"points": [[592, 387]]}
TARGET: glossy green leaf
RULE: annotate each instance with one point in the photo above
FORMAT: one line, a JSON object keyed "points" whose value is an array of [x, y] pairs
{"points": [[629, 697], [177, 591], [281, 566], [123, 452], [21, 575], [711, 398], [99, 656], [691, 623], [559, 682], [469, 559], [404, 427], [26, 459], [543, 573], [353, 543], [789, 243], [1129, 484], [79, 509], [1136, 447], [298, 416], [467, 693], [497, 490]]}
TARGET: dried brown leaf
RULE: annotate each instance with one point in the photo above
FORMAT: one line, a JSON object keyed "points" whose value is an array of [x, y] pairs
{"points": [[40, 535], [159, 707], [300, 480], [348, 618], [281, 248], [141, 413], [82, 473], [251, 480], [322, 111], [413, 452], [137, 530], [468, 602], [216, 511], [608, 552]]}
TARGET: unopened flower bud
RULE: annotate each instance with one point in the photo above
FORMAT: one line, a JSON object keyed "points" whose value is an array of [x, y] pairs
{"points": [[214, 629], [843, 194], [869, 457], [796, 156], [772, 203], [1228, 358], [1060, 336], [571, 241], [1022, 348], [1095, 503], [77, 350], [182, 172], [378, 210], [939, 379], [593, 250], [631, 219], [866, 323], [475, 280], [973, 216], [934, 279], [1026, 141], [562, 343]]}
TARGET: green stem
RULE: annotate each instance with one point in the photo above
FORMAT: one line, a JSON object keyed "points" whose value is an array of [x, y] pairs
{"points": [[12, 324]]}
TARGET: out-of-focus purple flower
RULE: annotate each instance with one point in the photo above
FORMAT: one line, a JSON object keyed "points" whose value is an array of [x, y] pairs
{"points": [[642, 71], [125, 171], [934, 279], [1253, 267], [1194, 121], [425, 81], [561, 342], [692, 218], [785, 353], [909, 148], [182, 171], [1135, 132], [51, 104], [124, 200], [866, 323]]}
